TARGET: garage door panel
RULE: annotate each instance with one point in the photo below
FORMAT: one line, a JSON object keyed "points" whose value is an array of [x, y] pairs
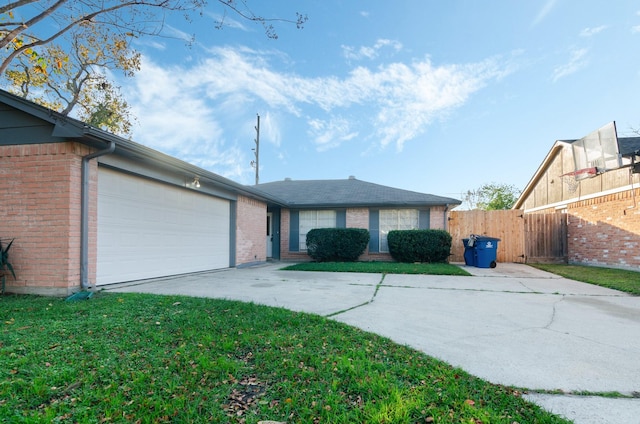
{"points": [[148, 229]]}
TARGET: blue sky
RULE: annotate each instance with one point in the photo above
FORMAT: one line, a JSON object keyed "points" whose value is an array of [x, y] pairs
{"points": [[433, 96]]}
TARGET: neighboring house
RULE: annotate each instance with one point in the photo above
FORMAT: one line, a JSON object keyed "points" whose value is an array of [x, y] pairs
{"points": [[348, 203], [603, 211], [87, 208]]}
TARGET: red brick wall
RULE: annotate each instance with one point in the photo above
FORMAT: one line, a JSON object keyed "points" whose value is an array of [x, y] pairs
{"points": [[359, 218], [251, 231], [605, 231], [40, 188]]}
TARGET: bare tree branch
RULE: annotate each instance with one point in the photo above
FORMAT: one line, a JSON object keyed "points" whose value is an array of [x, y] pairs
{"points": [[11, 35], [58, 54], [250, 16], [87, 18], [16, 4]]}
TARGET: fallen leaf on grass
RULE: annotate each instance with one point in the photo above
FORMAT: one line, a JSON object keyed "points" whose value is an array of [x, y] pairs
{"points": [[242, 398]]}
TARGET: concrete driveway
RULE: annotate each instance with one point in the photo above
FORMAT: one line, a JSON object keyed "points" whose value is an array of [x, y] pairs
{"points": [[511, 325]]}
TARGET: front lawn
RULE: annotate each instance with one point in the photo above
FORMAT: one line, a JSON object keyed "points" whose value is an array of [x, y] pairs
{"points": [[618, 279], [147, 358], [380, 268]]}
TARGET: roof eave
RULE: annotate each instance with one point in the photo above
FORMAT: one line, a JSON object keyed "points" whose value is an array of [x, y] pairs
{"points": [[127, 147], [73, 129], [294, 205]]}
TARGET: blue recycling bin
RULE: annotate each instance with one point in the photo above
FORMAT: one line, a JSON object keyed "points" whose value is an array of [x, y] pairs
{"points": [[486, 249], [469, 253]]}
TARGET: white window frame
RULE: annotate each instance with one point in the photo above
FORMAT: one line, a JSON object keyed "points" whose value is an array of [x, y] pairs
{"points": [[310, 219], [396, 219]]}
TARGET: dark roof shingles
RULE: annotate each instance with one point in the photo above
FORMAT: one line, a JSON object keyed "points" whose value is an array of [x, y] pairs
{"points": [[628, 145], [348, 192]]}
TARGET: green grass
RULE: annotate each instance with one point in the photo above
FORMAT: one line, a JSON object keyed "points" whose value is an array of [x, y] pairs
{"points": [[144, 358], [618, 279], [380, 268]]}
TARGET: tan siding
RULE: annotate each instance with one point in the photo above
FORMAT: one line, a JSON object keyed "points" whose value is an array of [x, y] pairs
{"points": [[566, 157], [554, 182]]}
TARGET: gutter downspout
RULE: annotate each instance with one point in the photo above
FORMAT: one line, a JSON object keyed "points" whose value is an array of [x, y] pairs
{"points": [[84, 213], [446, 221]]}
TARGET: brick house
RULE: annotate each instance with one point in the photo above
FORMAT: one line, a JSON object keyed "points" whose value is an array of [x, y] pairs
{"points": [[87, 208], [603, 211], [348, 203]]}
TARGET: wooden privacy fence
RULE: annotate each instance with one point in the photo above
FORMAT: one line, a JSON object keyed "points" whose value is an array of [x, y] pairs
{"points": [[523, 238]]}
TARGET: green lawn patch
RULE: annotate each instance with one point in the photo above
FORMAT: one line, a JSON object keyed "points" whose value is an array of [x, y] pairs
{"points": [[618, 279], [380, 268], [147, 358]]}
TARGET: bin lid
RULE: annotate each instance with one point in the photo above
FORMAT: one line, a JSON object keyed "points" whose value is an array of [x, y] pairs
{"points": [[486, 238]]}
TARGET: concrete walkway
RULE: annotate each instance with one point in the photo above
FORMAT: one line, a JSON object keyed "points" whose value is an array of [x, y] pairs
{"points": [[511, 325]]}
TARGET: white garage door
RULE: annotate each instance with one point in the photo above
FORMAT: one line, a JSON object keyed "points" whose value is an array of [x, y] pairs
{"points": [[147, 229]]}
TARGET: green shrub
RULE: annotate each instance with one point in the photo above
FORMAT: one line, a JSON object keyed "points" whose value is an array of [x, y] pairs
{"points": [[337, 244], [419, 245]]}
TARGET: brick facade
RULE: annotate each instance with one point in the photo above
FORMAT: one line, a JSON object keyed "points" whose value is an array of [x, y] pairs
{"points": [[40, 188], [605, 230], [251, 242], [359, 218], [355, 218]]}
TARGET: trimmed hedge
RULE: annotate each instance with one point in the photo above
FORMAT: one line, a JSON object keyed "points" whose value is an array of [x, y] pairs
{"points": [[419, 245], [337, 244]]}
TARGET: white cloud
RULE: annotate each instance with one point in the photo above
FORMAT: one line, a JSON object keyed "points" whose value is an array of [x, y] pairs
{"points": [[370, 52], [178, 121], [194, 111], [327, 134], [224, 21], [576, 63], [546, 9], [588, 32], [635, 29], [173, 32], [269, 129], [148, 42]]}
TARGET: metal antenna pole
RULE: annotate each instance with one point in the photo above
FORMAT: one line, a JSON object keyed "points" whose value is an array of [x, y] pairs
{"points": [[256, 151]]}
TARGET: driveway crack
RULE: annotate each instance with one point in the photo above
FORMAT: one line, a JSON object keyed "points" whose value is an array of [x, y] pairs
{"points": [[553, 313], [525, 286], [373, 296]]}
